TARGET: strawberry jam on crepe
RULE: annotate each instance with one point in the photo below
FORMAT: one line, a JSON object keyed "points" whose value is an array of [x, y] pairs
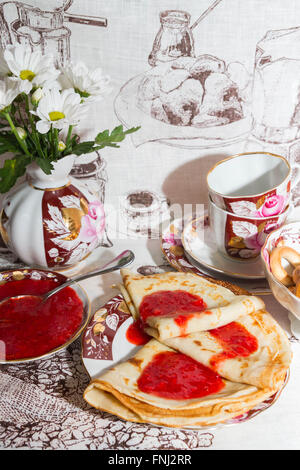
{"points": [[175, 304], [217, 353], [176, 376], [137, 390]]}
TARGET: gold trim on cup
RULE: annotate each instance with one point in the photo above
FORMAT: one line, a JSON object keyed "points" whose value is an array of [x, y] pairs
{"points": [[240, 155]]}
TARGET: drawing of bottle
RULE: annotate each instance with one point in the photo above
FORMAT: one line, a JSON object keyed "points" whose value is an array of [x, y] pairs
{"points": [[276, 90]]}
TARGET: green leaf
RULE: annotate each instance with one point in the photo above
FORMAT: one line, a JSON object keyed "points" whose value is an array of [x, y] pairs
{"points": [[4, 149], [11, 171], [132, 129], [84, 147], [9, 142], [104, 139], [45, 165]]}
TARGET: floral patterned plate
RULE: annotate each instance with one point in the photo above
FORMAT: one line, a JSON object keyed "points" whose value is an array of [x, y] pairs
{"points": [[104, 343], [199, 242]]}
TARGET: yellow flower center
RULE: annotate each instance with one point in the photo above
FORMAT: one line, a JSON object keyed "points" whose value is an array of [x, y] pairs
{"points": [[56, 115], [27, 75]]}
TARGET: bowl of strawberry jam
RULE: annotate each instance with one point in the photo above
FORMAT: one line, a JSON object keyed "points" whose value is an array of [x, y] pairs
{"points": [[30, 331]]}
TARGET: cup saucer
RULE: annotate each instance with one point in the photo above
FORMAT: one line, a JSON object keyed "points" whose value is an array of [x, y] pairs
{"points": [[199, 243]]}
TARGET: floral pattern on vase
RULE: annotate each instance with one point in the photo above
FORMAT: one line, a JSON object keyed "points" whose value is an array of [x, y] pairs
{"points": [[52, 221], [72, 226]]}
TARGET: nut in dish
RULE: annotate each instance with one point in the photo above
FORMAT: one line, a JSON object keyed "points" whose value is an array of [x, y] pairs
{"points": [[293, 257], [280, 257]]}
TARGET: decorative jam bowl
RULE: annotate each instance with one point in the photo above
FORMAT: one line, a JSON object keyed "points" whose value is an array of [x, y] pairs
{"points": [[39, 332], [287, 235]]}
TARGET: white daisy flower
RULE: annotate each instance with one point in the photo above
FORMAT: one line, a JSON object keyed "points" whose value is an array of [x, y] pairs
{"points": [[91, 86], [32, 68], [59, 109], [9, 90]]}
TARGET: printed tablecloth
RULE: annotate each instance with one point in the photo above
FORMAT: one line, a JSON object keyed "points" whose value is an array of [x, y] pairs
{"points": [[41, 404]]}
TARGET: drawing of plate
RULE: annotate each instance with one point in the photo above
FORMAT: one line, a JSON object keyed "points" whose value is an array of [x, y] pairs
{"points": [[130, 114]]}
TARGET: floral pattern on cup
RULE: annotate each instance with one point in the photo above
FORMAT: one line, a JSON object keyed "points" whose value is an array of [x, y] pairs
{"points": [[262, 174], [244, 238], [273, 203]]}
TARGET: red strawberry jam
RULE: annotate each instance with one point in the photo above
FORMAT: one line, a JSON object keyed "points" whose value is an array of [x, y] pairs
{"points": [[178, 304], [235, 340], [176, 376], [135, 334], [29, 330]]}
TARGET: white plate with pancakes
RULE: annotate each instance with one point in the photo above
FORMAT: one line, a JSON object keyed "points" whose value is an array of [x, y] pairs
{"points": [[122, 372]]}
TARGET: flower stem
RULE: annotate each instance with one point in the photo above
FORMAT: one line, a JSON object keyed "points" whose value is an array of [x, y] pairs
{"points": [[13, 128], [69, 135], [56, 144], [35, 135]]}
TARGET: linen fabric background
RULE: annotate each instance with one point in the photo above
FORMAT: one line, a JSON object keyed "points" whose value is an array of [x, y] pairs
{"points": [[230, 32], [177, 171]]}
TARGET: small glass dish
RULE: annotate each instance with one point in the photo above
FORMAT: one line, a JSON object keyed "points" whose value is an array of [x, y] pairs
{"points": [[287, 235], [38, 274]]}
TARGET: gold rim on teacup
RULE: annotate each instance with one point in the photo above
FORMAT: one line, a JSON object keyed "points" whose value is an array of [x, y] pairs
{"points": [[241, 155]]}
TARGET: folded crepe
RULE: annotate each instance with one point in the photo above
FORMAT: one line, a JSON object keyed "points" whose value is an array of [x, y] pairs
{"points": [[237, 342], [220, 336], [265, 367], [118, 391], [221, 305]]}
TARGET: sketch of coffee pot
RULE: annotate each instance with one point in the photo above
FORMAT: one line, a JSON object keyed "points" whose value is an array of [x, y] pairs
{"points": [[175, 37], [43, 27]]}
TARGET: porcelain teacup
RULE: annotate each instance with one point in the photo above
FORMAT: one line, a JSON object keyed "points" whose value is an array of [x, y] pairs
{"points": [[254, 184], [241, 237]]}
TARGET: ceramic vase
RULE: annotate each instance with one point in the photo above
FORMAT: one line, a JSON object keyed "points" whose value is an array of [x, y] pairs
{"points": [[52, 221]]}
